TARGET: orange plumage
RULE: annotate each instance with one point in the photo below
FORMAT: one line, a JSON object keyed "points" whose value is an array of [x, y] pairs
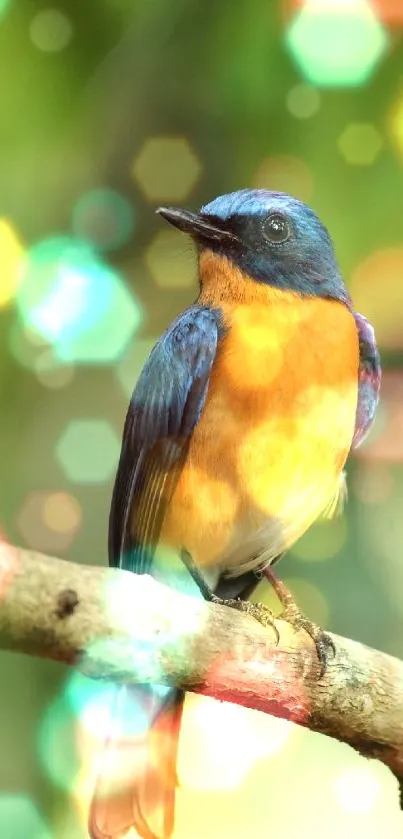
{"points": [[266, 457]]}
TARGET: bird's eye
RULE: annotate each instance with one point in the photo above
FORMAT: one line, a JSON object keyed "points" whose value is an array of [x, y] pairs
{"points": [[276, 228]]}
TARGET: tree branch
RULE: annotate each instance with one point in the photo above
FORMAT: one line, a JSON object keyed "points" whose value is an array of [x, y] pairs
{"points": [[114, 624]]}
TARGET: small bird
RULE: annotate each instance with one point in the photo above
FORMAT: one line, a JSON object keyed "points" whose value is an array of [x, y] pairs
{"points": [[234, 443]]}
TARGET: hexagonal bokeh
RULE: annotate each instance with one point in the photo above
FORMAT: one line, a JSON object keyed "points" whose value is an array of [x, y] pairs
{"points": [[48, 521], [132, 363], [166, 168], [50, 373], [286, 174], [360, 143], [51, 30], [336, 44], [76, 302], [303, 101], [11, 251], [20, 818], [170, 264], [88, 450], [104, 218]]}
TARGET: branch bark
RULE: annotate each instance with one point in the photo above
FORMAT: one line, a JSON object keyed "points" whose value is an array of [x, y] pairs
{"points": [[114, 624]]}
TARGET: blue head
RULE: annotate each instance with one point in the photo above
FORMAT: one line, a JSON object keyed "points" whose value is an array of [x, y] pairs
{"points": [[269, 236]]}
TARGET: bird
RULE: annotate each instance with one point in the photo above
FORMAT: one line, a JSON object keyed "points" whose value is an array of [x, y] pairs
{"points": [[234, 443]]}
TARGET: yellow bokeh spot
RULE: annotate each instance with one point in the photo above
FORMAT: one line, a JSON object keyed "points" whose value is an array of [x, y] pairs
{"points": [[257, 332], [396, 125], [166, 168], [357, 789], [220, 743], [11, 253], [360, 143], [61, 512], [170, 260], [286, 174], [323, 540], [302, 460], [377, 289], [48, 521]]}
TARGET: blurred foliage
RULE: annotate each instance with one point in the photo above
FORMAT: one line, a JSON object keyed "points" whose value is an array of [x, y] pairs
{"points": [[107, 108]]}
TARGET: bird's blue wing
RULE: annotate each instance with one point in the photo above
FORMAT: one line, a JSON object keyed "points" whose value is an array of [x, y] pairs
{"points": [[369, 379], [163, 411]]}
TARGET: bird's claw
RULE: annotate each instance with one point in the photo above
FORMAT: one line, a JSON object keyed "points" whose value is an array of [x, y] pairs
{"points": [[323, 642], [259, 611], [293, 615]]}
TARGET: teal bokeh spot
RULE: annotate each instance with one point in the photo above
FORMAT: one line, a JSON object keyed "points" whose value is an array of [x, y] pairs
{"points": [[80, 691], [98, 705], [19, 819], [4, 5], [88, 450], [57, 744], [76, 302], [336, 46], [104, 218]]}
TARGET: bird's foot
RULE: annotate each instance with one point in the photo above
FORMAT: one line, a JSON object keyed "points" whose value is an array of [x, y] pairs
{"points": [[291, 613], [259, 611]]}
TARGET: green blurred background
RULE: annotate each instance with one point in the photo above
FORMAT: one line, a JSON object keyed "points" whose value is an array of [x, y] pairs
{"points": [[108, 108]]}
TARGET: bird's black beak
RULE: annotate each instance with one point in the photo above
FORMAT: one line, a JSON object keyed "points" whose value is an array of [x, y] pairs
{"points": [[197, 225]]}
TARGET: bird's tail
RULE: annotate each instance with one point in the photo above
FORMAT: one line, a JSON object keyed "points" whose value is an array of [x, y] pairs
{"points": [[137, 776]]}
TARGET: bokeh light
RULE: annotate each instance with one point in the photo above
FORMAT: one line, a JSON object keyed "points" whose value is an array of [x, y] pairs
{"points": [[386, 444], [132, 362], [286, 174], [48, 521], [360, 143], [336, 43], [303, 101], [166, 168], [56, 743], [377, 289], [322, 541], [357, 789], [26, 345], [91, 701], [372, 482], [395, 124], [104, 218], [88, 450], [20, 818], [11, 250], [76, 302], [310, 599], [109, 110], [50, 372], [223, 759], [51, 30], [170, 263], [4, 5], [34, 353]]}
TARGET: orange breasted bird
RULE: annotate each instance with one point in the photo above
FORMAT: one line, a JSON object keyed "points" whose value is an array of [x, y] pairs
{"points": [[234, 444]]}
